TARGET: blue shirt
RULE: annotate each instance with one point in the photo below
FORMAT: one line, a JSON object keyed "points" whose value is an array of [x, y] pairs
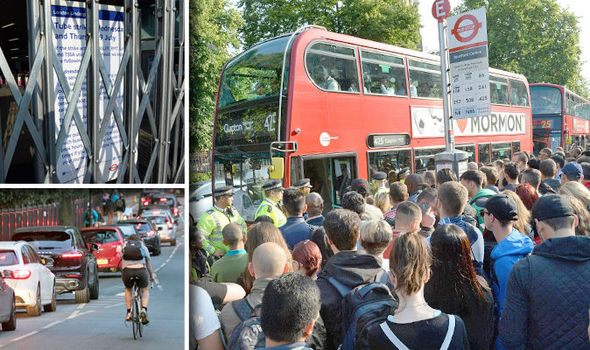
{"points": [[292, 346], [236, 252], [295, 231]]}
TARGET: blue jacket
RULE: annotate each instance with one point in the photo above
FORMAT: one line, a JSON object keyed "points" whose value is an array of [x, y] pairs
{"points": [[292, 346], [548, 296], [295, 230], [474, 235], [317, 221]]}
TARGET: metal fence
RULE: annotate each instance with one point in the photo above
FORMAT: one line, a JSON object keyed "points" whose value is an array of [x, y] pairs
{"points": [[11, 219], [143, 102]]}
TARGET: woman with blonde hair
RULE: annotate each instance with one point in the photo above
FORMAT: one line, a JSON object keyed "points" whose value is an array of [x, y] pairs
{"points": [[522, 224], [576, 190], [382, 201], [375, 236], [414, 324]]}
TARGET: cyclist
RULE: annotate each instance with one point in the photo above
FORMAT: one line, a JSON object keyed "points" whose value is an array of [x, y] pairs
{"points": [[135, 259]]}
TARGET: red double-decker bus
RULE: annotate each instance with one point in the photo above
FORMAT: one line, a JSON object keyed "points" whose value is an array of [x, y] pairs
{"points": [[333, 107], [560, 117]]}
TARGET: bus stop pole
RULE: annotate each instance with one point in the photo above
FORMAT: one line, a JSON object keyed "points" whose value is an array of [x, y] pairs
{"points": [[444, 69]]}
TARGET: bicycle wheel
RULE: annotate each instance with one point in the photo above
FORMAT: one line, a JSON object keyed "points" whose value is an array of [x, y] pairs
{"points": [[134, 314], [139, 321]]}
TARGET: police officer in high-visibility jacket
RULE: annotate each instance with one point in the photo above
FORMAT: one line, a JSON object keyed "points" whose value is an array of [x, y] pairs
{"points": [[273, 192], [380, 183], [216, 218]]}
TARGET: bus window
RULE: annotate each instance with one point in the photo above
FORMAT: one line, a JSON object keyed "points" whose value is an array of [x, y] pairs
{"points": [[519, 93], [389, 161], [501, 151], [425, 80], [332, 67], [424, 159], [577, 107], [546, 100], [254, 75], [515, 147], [499, 90], [342, 177], [483, 150], [470, 149], [383, 74]]}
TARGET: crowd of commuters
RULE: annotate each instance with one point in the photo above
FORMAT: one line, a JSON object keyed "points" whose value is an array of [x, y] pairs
{"points": [[496, 258]]}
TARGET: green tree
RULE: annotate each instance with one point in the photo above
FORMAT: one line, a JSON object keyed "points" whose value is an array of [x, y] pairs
{"points": [[389, 21], [213, 38], [536, 38]]}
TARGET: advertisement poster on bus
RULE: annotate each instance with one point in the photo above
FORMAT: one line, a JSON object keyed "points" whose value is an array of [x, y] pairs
{"points": [[69, 40], [468, 61], [428, 122]]}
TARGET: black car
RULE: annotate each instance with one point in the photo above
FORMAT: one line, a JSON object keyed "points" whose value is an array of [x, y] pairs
{"points": [[145, 199], [166, 199], [147, 232], [7, 307], [68, 256]]}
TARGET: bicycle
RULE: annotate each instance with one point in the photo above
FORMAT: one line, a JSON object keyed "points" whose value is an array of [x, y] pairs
{"points": [[137, 325]]}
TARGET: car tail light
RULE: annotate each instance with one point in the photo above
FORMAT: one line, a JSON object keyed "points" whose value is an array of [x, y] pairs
{"points": [[146, 203], [74, 275], [175, 211], [150, 233], [162, 199], [21, 274], [72, 255]]}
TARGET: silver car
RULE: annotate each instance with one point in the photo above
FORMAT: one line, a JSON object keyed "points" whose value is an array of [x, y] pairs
{"points": [[164, 223]]}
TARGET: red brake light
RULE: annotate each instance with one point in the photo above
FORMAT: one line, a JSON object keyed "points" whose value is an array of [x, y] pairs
{"points": [[169, 225], [146, 203], [163, 199], [21, 274], [150, 233], [72, 255], [175, 211]]}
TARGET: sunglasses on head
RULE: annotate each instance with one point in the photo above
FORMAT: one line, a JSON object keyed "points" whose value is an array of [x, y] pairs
{"points": [[483, 213]]}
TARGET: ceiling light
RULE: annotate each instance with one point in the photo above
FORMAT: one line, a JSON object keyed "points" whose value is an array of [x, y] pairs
{"points": [[13, 39], [7, 25]]}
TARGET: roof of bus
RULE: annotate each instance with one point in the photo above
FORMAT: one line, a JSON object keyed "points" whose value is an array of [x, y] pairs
{"points": [[319, 32]]}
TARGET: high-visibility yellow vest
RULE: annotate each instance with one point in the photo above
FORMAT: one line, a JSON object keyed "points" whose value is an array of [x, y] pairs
{"points": [[211, 225], [271, 209]]}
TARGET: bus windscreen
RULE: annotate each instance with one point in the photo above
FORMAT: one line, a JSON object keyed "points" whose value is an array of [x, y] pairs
{"points": [[546, 100]]}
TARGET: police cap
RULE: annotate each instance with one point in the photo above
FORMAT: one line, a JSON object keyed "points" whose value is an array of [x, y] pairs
{"points": [[223, 191], [302, 183], [380, 175], [272, 185]]}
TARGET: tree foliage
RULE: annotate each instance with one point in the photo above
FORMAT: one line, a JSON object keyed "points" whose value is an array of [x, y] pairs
{"points": [[389, 21], [213, 29], [536, 38]]}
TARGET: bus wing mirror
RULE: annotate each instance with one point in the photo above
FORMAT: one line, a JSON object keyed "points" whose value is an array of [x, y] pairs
{"points": [[276, 170]]}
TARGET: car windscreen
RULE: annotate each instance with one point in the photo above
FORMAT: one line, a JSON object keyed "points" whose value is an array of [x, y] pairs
{"points": [[45, 240], [127, 230], [141, 227], [100, 237], [160, 220], [163, 201], [8, 258]]}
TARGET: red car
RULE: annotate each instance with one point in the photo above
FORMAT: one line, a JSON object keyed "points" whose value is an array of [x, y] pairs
{"points": [[110, 241]]}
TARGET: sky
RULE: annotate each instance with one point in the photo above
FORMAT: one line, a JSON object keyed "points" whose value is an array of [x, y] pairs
{"points": [[580, 8]]}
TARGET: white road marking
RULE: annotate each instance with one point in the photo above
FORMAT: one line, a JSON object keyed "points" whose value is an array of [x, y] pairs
{"points": [[52, 324], [169, 258], [122, 294], [25, 336], [114, 305]]}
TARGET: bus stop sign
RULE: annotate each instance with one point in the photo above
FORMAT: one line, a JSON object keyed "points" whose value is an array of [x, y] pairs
{"points": [[441, 9]]}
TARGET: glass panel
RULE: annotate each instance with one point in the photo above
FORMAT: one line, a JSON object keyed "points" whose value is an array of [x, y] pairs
{"points": [[515, 147], [256, 73], [577, 107], [484, 152], [470, 149], [425, 80], [383, 74], [100, 236], [501, 151], [342, 177], [388, 161], [247, 126], [546, 100], [424, 159], [499, 90], [332, 67], [46, 240], [519, 93], [8, 257]]}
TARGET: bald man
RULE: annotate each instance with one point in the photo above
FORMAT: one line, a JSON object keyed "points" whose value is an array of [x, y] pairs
{"points": [[414, 183], [315, 207], [269, 261]]}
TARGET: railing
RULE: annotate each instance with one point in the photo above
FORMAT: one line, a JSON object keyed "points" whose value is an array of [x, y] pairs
{"points": [[11, 219]]}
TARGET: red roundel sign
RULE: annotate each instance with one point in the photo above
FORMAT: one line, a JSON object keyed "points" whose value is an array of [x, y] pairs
{"points": [[466, 28], [441, 9], [114, 167]]}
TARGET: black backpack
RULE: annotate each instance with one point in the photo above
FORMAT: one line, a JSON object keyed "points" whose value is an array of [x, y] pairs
{"points": [[248, 334], [363, 306], [119, 203], [132, 251], [88, 216]]}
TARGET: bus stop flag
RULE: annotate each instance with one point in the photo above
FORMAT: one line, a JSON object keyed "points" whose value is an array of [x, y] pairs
{"points": [[468, 61]]}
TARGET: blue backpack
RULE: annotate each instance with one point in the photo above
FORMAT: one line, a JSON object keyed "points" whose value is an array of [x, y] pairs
{"points": [[363, 306]]}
